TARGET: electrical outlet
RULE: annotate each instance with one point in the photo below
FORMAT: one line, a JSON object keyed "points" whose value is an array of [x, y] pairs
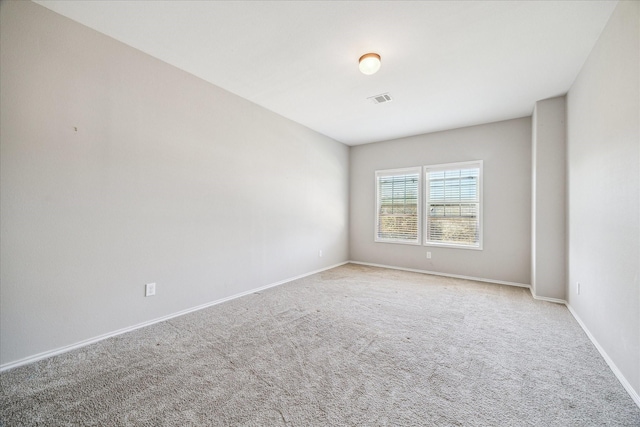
{"points": [[149, 289], [578, 288], [320, 253], [428, 255]]}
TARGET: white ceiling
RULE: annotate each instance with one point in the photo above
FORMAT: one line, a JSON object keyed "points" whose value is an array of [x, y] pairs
{"points": [[447, 64]]}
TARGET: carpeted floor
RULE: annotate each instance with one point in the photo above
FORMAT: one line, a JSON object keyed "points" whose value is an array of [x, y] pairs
{"points": [[352, 346]]}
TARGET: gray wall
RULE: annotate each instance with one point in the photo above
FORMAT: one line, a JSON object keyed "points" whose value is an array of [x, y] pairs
{"points": [[167, 179], [548, 213], [603, 136], [505, 148]]}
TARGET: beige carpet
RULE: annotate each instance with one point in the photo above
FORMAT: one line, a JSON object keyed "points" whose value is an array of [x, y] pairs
{"points": [[353, 346]]}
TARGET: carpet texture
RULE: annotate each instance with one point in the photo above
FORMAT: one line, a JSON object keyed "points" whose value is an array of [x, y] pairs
{"points": [[352, 346]]}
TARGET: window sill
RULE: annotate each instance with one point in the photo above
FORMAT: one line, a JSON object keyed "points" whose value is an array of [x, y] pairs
{"points": [[399, 242], [453, 246]]}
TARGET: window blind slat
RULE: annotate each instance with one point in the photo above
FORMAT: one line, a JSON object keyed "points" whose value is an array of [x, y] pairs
{"points": [[453, 206], [397, 216]]}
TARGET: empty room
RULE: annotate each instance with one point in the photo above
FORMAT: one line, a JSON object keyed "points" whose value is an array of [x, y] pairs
{"points": [[319, 213]]}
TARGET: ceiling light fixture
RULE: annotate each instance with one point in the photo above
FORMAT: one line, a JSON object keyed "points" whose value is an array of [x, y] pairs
{"points": [[369, 63]]}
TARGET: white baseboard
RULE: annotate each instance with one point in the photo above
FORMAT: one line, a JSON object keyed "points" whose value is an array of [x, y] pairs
{"points": [[627, 386], [435, 273], [60, 350], [556, 300]]}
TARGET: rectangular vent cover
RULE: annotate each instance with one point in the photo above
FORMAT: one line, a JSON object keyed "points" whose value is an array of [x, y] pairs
{"points": [[381, 99]]}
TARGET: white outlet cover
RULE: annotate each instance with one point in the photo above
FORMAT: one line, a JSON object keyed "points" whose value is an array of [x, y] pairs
{"points": [[149, 289]]}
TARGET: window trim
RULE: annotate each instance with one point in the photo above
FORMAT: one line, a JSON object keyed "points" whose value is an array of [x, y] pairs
{"points": [[454, 166], [394, 172]]}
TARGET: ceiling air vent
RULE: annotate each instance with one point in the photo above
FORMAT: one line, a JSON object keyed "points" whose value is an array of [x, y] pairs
{"points": [[381, 99]]}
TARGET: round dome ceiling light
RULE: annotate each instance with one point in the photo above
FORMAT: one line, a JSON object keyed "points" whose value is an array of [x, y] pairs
{"points": [[369, 63]]}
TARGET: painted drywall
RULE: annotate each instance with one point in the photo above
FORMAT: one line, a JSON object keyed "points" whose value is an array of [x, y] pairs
{"points": [[118, 170], [603, 139], [548, 217], [505, 148]]}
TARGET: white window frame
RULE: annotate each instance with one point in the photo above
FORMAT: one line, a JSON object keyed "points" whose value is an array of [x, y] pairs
{"points": [[453, 166], [395, 172]]}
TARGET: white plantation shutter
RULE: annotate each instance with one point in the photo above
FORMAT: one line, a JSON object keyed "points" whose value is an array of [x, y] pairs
{"points": [[453, 204], [398, 206]]}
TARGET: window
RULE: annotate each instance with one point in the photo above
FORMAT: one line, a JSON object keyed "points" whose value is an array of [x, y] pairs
{"points": [[398, 206], [454, 205]]}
